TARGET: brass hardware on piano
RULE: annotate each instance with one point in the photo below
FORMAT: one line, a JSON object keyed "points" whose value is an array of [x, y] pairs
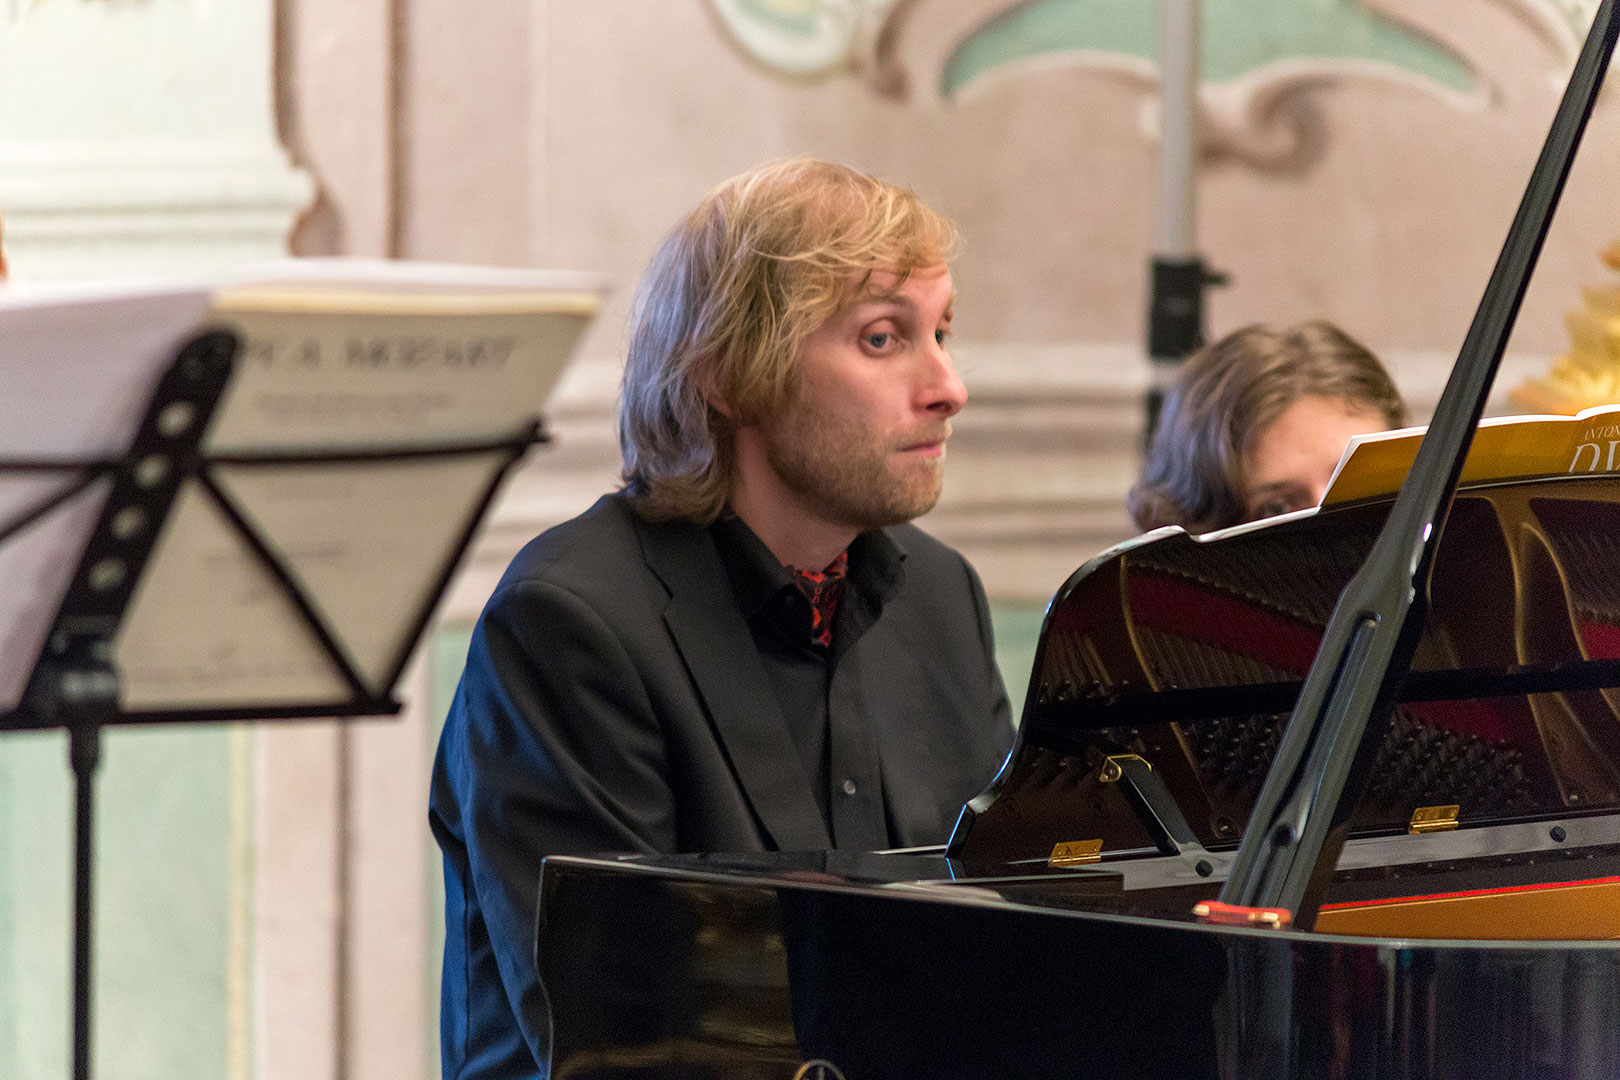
{"points": [[1114, 766], [1075, 853], [1429, 819]]}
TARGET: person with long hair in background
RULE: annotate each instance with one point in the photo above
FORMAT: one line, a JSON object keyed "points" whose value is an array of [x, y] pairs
{"points": [[1255, 424]]}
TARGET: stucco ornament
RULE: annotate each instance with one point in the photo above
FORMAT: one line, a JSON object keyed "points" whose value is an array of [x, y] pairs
{"points": [[811, 39], [1264, 64], [1579, 12]]}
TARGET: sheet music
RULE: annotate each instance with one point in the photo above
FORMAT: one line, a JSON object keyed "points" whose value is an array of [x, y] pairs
{"points": [[383, 378], [337, 355], [343, 356], [77, 363], [209, 627]]}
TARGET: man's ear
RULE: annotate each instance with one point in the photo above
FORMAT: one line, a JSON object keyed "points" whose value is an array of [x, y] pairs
{"points": [[712, 395]]}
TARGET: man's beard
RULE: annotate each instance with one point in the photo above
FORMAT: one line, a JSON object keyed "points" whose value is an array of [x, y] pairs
{"points": [[847, 473]]}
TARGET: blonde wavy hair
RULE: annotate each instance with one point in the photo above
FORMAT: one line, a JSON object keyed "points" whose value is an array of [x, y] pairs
{"points": [[727, 302]]}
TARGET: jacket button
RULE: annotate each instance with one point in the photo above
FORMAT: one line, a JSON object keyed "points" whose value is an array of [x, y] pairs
{"points": [[849, 787]]}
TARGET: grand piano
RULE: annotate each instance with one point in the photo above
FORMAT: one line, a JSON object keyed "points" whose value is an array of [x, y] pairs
{"points": [[1333, 796]]}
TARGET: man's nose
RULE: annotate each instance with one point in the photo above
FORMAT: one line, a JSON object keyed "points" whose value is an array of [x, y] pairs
{"points": [[942, 390]]}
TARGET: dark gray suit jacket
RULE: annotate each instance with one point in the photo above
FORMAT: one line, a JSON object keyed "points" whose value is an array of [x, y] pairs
{"points": [[614, 700]]}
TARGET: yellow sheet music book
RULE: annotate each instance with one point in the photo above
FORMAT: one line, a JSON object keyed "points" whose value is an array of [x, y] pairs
{"points": [[1504, 448]]}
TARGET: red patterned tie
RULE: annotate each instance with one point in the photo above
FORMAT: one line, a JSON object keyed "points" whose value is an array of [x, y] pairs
{"points": [[823, 591]]}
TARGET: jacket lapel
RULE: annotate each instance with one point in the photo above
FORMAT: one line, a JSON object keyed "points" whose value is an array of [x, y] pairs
{"points": [[719, 653]]}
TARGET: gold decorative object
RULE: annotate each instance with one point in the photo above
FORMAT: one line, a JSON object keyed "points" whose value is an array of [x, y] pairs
{"points": [[1589, 374]]}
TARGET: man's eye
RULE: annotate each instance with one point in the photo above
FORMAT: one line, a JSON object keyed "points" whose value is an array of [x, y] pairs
{"points": [[940, 336], [878, 340]]}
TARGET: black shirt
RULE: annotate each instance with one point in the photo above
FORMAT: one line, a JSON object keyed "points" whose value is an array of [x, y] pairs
{"points": [[823, 720]]}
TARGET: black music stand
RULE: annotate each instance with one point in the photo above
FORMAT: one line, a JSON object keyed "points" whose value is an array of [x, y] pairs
{"points": [[76, 684]]}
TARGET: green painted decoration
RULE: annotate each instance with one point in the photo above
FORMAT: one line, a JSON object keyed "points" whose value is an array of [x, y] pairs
{"points": [[1018, 631], [789, 16], [1240, 37], [164, 898]]}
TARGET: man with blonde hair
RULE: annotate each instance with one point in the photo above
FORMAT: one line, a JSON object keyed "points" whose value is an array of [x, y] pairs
{"points": [[747, 647]]}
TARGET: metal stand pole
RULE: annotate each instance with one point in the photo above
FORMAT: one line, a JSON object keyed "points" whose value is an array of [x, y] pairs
{"points": [[1179, 39], [74, 684], [84, 754], [1177, 274]]}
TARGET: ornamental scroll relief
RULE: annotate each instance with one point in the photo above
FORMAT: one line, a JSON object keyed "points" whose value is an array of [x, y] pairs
{"points": [[1266, 62], [805, 40]]}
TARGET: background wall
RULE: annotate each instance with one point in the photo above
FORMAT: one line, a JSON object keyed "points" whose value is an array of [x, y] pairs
{"points": [[1340, 186], [268, 896]]}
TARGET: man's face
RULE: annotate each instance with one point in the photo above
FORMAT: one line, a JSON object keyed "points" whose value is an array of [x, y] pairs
{"points": [[861, 442]]}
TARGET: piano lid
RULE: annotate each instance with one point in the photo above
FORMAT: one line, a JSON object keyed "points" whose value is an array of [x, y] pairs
{"points": [[1190, 652], [1524, 598], [1349, 697]]}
